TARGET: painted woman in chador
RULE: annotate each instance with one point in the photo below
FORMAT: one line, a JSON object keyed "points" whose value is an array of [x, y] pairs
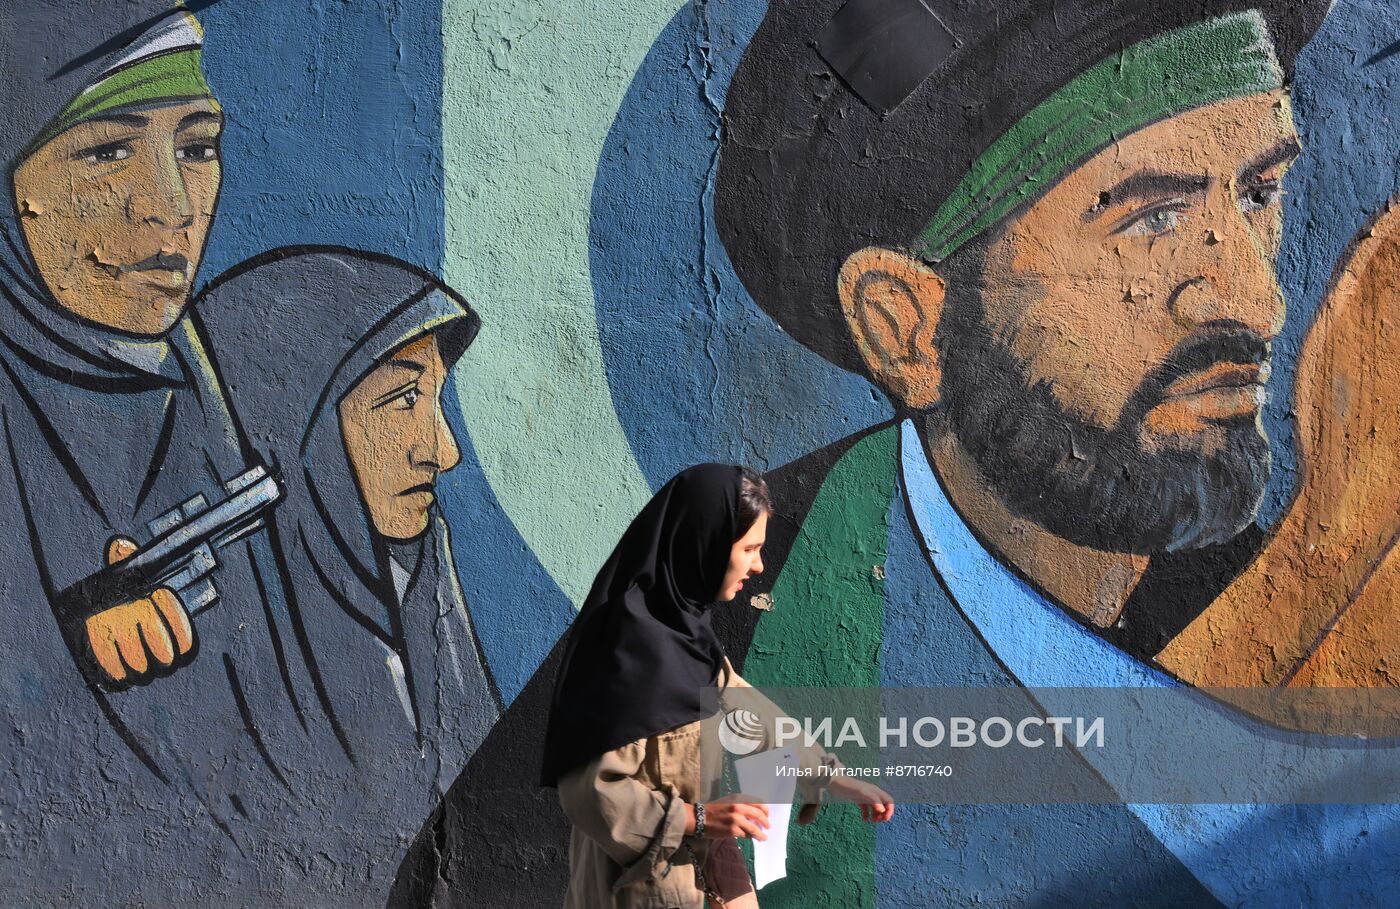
{"points": [[162, 726], [346, 396]]}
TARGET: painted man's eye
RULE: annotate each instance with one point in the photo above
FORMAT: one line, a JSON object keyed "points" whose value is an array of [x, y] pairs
{"points": [[1261, 196], [106, 154], [197, 152], [1155, 223], [409, 398]]}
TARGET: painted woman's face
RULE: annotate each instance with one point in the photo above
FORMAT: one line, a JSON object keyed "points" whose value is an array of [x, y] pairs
{"points": [[744, 560], [397, 438], [116, 210]]}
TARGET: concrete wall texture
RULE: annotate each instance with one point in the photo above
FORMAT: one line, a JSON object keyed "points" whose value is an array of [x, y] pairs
{"points": [[340, 342]]}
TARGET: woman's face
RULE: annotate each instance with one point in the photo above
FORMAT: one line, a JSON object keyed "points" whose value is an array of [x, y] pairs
{"points": [[397, 437], [116, 211], [744, 560]]}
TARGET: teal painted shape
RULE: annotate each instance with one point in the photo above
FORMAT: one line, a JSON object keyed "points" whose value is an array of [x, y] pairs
{"points": [[529, 92]]}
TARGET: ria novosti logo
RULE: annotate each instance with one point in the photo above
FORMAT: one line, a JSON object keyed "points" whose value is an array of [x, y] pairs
{"points": [[741, 732]]}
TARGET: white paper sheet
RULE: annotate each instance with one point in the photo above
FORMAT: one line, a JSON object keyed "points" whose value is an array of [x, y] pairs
{"points": [[759, 775]]}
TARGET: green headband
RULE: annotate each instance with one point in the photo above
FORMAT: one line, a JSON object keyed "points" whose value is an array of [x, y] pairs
{"points": [[175, 76], [1161, 77]]}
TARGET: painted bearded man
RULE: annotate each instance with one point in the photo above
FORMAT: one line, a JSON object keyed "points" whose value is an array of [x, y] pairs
{"points": [[1049, 233]]}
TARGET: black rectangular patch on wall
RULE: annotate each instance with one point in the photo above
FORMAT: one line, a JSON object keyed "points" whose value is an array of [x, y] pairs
{"points": [[885, 49]]}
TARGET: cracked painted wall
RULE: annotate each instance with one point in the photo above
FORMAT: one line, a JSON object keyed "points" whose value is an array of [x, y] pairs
{"points": [[1108, 280]]}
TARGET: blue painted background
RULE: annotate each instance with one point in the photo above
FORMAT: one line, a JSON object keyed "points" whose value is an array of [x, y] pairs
{"points": [[697, 370], [1347, 113], [333, 127]]}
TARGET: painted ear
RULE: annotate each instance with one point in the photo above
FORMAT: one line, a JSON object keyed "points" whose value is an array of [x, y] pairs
{"points": [[892, 304]]}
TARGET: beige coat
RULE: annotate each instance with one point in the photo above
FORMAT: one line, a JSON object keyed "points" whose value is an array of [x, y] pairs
{"points": [[628, 811]]}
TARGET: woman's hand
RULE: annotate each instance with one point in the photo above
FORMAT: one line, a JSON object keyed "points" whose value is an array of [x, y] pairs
{"points": [[133, 641], [731, 816], [876, 805]]}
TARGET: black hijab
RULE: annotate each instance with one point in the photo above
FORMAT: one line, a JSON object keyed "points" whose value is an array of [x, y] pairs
{"points": [[641, 657]]}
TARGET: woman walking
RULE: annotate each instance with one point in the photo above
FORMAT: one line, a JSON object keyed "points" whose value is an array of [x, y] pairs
{"points": [[642, 669]]}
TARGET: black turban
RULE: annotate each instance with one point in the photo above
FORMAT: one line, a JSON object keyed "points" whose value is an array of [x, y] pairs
{"points": [[812, 170]]}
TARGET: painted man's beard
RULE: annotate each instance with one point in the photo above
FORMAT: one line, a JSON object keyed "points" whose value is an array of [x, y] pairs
{"points": [[1099, 487]]}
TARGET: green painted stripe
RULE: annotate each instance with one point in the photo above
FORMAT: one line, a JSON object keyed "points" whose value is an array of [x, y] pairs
{"points": [[168, 77], [1183, 69], [825, 631]]}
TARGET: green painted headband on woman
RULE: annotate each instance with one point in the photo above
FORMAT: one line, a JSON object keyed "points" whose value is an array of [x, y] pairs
{"points": [[164, 67]]}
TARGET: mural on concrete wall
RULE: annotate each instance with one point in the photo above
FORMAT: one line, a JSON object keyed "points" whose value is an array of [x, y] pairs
{"points": [[1092, 292], [128, 499], [348, 406], [1064, 276], [243, 667], [996, 300]]}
